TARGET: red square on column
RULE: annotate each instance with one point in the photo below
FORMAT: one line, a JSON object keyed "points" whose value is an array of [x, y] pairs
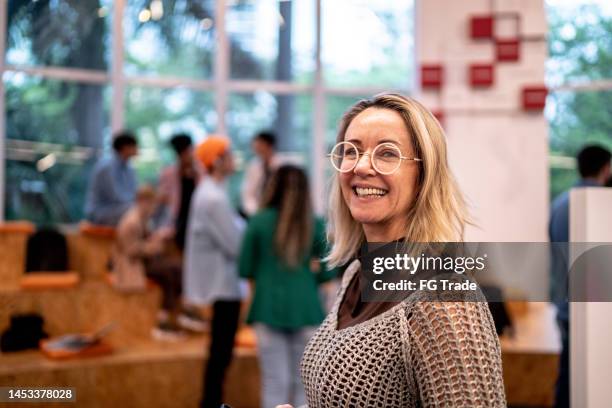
{"points": [[432, 76], [507, 50], [481, 27], [534, 98], [481, 75]]}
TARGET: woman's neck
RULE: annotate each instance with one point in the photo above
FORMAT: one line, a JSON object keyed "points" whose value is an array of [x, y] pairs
{"points": [[383, 232]]}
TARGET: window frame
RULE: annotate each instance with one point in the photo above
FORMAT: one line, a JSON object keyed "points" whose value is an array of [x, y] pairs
{"points": [[221, 85]]}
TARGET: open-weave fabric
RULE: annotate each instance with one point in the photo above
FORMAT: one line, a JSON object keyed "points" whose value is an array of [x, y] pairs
{"points": [[420, 353]]}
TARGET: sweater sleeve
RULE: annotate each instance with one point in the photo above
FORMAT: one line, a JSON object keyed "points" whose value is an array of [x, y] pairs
{"points": [[454, 354]]}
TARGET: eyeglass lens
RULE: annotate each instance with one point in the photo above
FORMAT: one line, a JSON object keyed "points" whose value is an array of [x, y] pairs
{"points": [[385, 158]]}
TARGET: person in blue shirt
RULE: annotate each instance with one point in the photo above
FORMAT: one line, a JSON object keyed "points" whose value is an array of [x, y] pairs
{"points": [[112, 187], [594, 169]]}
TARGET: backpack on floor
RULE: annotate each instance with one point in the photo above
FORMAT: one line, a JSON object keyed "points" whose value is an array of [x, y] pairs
{"points": [[47, 251]]}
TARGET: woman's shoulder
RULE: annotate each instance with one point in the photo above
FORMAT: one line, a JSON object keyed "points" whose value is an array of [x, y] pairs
{"points": [[450, 311], [264, 215]]}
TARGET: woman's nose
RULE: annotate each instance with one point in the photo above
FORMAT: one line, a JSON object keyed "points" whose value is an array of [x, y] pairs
{"points": [[364, 165]]}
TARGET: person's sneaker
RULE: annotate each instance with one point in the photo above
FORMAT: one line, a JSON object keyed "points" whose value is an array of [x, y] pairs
{"points": [[167, 331], [191, 320]]}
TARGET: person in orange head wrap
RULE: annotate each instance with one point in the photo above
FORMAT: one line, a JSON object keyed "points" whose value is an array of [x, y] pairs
{"points": [[214, 234], [211, 150]]}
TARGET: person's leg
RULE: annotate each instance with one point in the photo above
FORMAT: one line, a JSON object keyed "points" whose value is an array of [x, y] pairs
{"points": [[562, 388], [173, 269], [158, 274], [273, 350], [223, 332], [299, 339]]}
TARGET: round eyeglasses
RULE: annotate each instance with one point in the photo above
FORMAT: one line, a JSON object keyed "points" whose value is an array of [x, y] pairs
{"points": [[386, 158]]}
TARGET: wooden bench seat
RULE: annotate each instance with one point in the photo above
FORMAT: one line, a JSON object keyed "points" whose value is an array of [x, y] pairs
{"points": [[147, 374], [13, 241], [49, 280], [86, 307]]}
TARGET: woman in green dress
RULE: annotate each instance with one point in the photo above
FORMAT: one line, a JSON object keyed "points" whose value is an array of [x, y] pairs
{"points": [[282, 243]]}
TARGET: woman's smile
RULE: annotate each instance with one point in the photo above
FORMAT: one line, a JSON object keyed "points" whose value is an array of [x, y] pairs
{"points": [[369, 192]]}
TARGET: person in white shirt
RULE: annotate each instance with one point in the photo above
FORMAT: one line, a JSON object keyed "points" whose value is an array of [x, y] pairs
{"points": [[210, 278], [258, 171]]}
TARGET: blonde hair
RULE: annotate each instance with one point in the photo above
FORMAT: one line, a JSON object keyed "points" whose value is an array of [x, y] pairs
{"points": [[438, 212]]}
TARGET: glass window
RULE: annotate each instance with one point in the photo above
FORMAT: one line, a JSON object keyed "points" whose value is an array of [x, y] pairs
{"points": [[272, 40], [580, 52], [576, 119], [155, 115], [69, 33], [367, 43], [170, 37], [57, 128], [288, 116], [336, 106], [54, 130], [579, 41]]}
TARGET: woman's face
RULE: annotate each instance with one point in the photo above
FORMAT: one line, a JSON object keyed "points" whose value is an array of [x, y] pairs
{"points": [[379, 201]]}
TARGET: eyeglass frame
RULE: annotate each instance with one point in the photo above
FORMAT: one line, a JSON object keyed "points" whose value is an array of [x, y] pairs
{"points": [[359, 156]]}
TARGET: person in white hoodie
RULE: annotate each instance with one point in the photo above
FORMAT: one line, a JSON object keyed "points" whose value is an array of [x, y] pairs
{"points": [[214, 233]]}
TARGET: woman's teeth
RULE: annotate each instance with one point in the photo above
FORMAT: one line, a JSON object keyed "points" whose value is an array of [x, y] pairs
{"points": [[367, 192]]}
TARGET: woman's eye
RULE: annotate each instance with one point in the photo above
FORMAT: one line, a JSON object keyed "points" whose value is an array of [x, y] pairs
{"points": [[350, 152], [388, 154]]}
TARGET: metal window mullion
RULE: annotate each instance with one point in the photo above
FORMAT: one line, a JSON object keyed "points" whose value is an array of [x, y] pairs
{"points": [[117, 78], [170, 82], [318, 145], [596, 85], [63, 74], [221, 72], [362, 90], [275, 87]]}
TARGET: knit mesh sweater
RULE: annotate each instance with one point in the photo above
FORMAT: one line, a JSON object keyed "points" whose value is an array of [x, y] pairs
{"points": [[419, 353]]}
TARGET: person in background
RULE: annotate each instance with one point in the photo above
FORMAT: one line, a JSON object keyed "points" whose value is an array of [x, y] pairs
{"points": [[210, 276], [279, 244], [113, 183], [177, 183], [258, 171], [594, 168], [138, 255]]}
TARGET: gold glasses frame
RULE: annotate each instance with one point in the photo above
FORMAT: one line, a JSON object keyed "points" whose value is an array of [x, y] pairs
{"points": [[401, 157]]}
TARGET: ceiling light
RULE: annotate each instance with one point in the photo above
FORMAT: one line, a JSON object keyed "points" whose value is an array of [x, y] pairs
{"points": [[144, 16]]}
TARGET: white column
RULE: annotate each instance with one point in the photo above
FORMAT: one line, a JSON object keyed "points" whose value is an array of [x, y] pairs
{"points": [[221, 71], [590, 328], [117, 78], [318, 142]]}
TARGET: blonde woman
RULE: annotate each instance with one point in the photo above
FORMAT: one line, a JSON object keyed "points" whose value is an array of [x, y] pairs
{"points": [[393, 183]]}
